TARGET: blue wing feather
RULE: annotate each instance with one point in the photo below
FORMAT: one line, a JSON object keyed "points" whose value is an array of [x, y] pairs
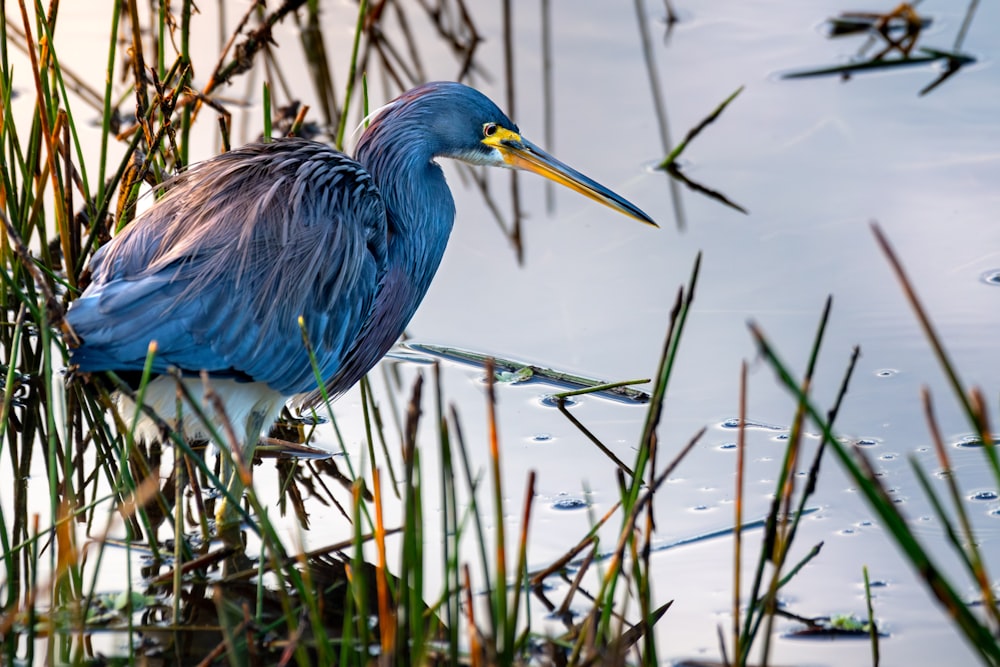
{"points": [[219, 270]]}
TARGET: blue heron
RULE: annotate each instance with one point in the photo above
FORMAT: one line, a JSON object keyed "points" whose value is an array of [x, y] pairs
{"points": [[219, 271]]}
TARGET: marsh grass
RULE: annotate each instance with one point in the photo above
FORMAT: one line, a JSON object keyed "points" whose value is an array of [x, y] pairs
{"points": [[979, 629], [90, 505]]}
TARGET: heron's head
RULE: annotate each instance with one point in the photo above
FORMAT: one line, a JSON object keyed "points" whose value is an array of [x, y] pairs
{"points": [[460, 122]]}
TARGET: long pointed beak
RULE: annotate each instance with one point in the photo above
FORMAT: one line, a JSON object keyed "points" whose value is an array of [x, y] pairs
{"points": [[520, 153]]}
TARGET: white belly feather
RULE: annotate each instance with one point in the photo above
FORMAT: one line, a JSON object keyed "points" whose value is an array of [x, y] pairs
{"points": [[249, 406]]}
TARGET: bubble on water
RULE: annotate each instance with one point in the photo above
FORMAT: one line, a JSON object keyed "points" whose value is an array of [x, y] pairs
{"points": [[727, 445], [886, 372], [541, 437], [984, 495], [991, 277], [866, 442], [551, 401], [700, 508], [569, 504], [969, 441]]}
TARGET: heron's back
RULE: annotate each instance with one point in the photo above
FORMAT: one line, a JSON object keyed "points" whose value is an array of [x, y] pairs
{"points": [[219, 270]]}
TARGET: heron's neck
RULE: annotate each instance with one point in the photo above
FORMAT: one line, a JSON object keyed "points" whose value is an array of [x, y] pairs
{"points": [[419, 204], [420, 215]]}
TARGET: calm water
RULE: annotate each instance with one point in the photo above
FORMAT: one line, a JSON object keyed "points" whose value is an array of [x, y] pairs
{"points": [[814, 161]]}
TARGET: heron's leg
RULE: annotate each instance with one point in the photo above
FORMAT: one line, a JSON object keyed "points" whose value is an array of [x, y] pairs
{"points": [[227, 516]]}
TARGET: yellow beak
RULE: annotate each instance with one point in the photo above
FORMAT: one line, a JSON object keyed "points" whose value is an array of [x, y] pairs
{"points": [[520, 153]]}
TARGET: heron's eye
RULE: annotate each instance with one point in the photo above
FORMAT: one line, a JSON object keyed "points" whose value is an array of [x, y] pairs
{"points": [[489, 129]]}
